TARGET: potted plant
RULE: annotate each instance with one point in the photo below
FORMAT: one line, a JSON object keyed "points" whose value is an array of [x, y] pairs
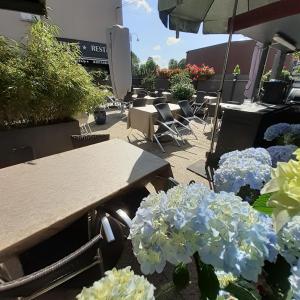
{"points": [[42, 86], [182, 91]]}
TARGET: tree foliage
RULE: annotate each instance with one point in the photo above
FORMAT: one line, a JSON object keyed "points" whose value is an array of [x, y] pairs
{"points": [[42, 82], [182, 63], [173, 63]]}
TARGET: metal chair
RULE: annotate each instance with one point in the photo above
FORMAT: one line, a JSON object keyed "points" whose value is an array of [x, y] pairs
{"points": [[199, 105], [211, 108], [159, 100], [16, 156], [139, 102], [167, 125], [79, 141]]}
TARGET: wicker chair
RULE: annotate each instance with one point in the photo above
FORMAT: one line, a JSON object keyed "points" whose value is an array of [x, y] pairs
{"points": [[79, 141], [33, 285]]}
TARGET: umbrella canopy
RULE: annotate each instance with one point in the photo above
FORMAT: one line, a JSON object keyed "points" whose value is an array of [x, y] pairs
{"points": [[187, 15], [119, 59], [37, 7]]}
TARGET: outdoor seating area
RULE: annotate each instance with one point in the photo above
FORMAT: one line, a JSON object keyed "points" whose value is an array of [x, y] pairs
{"points": [[127, 176]]}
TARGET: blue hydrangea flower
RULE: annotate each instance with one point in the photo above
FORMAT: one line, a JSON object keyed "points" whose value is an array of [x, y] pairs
{"points": [[295, 129], [226, 232], [295, 281], [239, 239], [260, 154], [236, 173], [281, 153], [289, 240], [277, 130]]}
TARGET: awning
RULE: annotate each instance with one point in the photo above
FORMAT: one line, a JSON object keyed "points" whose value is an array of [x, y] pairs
{"points": [[37, 7], [187, 15]]}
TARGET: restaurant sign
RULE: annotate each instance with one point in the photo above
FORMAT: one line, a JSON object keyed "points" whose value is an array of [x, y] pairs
{"points": [[91, 52]]}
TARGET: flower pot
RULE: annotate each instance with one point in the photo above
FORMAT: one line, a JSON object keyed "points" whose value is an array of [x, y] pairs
{"points": [[100, 116]]}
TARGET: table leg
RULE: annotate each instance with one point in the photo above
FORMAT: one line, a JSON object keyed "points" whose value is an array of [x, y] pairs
{"points": [[160, 181]]}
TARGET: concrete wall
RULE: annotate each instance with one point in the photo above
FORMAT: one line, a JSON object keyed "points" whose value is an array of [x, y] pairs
{"points": [[77, 19]]}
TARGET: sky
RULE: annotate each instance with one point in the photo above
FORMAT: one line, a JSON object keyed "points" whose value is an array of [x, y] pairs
{"points": [[151, 38]]}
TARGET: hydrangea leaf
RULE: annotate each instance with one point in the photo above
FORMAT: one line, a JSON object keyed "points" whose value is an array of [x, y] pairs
{"points": [[181, 276], [260, 204], [207, 280], [242, 290]]}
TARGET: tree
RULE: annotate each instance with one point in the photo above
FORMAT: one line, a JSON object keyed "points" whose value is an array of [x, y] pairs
{"points": [[148, 68], [182, 63], [135, 64], [173, 63]]}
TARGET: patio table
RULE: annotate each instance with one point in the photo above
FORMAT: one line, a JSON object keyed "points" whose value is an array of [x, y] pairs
{"points": [[41, 197], [144, 118]]}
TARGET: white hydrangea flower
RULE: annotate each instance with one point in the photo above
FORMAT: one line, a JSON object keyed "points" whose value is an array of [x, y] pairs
{"points": [[119, 284], [228, 233], [295, 281], [289, 240]]}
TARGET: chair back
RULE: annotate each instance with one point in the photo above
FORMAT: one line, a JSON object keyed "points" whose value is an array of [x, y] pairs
{"points": [[164, 112], [58, 272], [186, 110], [139, 102], [16, 156], [141, 94], [159, 100], [79, 141], [211, 108], [200, 96]]}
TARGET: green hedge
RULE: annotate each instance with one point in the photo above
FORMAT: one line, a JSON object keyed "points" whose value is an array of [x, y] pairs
{"points": [[41, 81]]}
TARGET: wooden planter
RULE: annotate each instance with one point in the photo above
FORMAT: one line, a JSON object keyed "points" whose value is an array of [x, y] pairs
{"points": [[44, 140]]}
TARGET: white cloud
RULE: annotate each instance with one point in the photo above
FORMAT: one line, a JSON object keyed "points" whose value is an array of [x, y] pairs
{"points": [[156, 58], [156, 48], [171, 40], [140, 4]]}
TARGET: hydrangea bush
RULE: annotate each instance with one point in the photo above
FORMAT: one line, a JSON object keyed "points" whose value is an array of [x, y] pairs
{"points": [[250, 167], [226, 232], [119, 284], [281, 153], [284, 133], [295, 281]]}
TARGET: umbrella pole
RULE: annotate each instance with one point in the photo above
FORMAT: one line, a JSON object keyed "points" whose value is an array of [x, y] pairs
{"points": [[220, 91]]}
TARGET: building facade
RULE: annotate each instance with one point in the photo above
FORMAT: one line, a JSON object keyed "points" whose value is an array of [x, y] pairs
{"points": [[84, 22], [240, 54]]}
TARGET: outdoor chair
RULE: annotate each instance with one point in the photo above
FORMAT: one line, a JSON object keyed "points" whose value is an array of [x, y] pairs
{"points": [[199, 105], [211, 108], [79, 141], [187, 113], [139, 102], [142, 94], [112, 101], [168, 125], [159, 100], [16, 156]]}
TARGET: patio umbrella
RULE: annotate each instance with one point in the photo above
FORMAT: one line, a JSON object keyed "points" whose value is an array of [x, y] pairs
{"points": [[119, 59], [217, 16]]}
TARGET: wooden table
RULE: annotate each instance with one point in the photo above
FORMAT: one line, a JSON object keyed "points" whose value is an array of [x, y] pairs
{"points": [[40, 198], [144, 118]]}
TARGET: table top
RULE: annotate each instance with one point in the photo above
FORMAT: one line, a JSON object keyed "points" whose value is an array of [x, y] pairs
{"points": [[41, 197], [249, 107], [151, 108]]}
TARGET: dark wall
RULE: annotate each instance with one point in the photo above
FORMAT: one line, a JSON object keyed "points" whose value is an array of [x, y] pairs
{"points": [[240, 54]]}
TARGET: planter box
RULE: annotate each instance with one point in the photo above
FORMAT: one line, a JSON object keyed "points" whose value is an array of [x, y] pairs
{"points": [[44, 140]]}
